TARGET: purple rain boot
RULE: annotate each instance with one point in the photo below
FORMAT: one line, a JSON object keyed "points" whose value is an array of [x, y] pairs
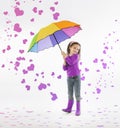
{"points": [[69, 106], [77, 113]]}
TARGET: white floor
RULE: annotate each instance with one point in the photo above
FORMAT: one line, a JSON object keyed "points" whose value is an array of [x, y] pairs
{"points": [[93, 115]]}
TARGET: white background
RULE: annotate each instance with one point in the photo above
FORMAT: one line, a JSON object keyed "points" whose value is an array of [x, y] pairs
{"points": [[98, 19]]}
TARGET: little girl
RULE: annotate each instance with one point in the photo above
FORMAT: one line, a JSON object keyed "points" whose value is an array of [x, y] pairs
{"points": [[71, 65]]}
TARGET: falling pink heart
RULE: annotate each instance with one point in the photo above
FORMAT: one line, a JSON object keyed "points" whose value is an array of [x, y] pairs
{"points": [[104, 65], [3, 50], [40, 12], [55, 15], [54, 96], [32, 20], [24, 71], [52, 9], [31, 67], [42, 86], [3, 65], [97, 70], [17, 64], [52, 74], [15, 35], [24, 41], [23, 81], [31, 33], [86, 69], [17, 28], [80, 63], [35, 9], [59, 77], [83, 78], [30, 60], [56, 2], [104, 51], [18, 12], [17, 3], [48, 84], [5, 13], [21, 51], [37, 74], [8, 47], [98, 90], [95, 60], [27, 87]]}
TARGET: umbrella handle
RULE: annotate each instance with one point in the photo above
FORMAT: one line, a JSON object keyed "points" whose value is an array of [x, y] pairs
{"points": [[57, 43], [59, 47]]}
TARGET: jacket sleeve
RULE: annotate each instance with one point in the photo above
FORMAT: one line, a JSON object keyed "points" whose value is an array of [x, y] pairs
{"points": [[71, 60], [65, 67]]}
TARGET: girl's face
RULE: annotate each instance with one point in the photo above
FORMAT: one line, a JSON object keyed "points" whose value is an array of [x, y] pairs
{"points": [[74, 49]]}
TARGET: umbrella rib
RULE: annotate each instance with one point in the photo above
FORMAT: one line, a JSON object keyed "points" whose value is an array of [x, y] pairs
{"points": [[57, 42]]}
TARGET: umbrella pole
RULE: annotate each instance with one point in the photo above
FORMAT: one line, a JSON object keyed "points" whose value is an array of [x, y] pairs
{"points": [[57, 43]]}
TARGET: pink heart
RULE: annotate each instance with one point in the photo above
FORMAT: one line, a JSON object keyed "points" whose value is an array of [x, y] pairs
{"points": [[31, 67], [56, 3], [27, 87], [54, 96], [18, 12], [55, 15], [8, 47], [21, 51], [18, 3], [24, 41], [32, 20], [59, 77], [52, 9], [35, 9], [24, 71], [95, 60], [5, 13], [40, 12], [17, 28], [23, 81], [31, 33], [3, 50]]}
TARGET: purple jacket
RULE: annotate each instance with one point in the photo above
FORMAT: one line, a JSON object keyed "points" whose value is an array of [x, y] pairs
{"points": [[72, 65]]}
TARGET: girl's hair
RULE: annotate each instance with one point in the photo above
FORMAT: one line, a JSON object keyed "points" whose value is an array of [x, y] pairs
{"points": [[71, 44]]}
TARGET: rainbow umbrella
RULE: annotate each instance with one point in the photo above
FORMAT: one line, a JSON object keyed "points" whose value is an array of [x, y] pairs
{"points": [[53, 34]]}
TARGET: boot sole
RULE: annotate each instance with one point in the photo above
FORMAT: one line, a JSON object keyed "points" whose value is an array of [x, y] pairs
{"points": [[66, 111]]}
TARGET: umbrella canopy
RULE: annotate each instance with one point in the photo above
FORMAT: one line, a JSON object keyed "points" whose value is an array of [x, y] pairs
{"points": [[52, 35]]}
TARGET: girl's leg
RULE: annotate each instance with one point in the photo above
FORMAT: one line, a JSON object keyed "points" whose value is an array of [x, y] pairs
{"points": [[70, 96], [77, 86], [70, 83]]}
